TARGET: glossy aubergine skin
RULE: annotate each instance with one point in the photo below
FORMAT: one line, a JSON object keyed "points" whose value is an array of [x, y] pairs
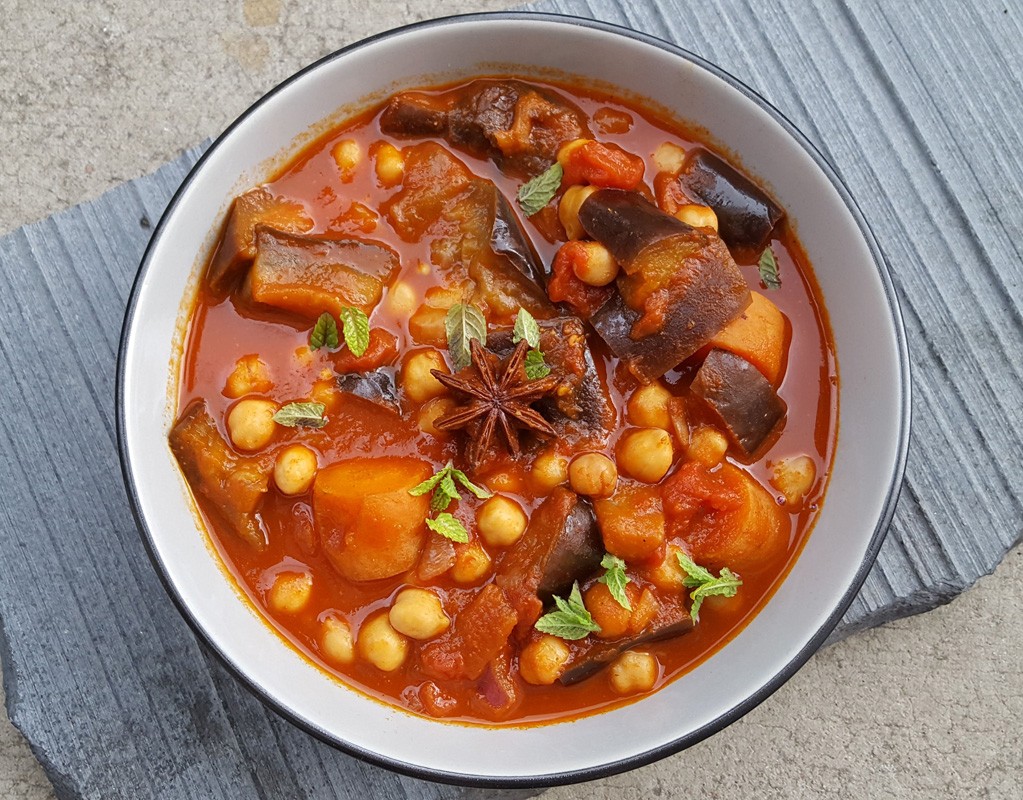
{"points": [[741, 396], [746, 215], [705, 289], [592, 654], [485, 118]]}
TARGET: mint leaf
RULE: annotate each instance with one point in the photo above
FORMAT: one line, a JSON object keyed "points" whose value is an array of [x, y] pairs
{"points": [[444, 488], [526, 328], [537, 193], [615, 579], [768, 267], [356, 328], [571, 621], [427, 485], [462, 324], [448, 527], [445, 492], [308, 415], [324, 333], [535, 366], [704, 584], [478, 491]]}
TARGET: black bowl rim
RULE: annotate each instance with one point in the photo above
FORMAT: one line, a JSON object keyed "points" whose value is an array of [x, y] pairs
{"points": [[676, 745]]}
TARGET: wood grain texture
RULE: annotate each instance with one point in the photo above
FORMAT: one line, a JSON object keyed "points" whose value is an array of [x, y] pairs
{"points": [[104, 677]]}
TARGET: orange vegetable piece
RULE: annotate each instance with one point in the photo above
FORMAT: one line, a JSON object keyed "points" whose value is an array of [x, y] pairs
{"points": [[725, 517], [759, 335], [370, 526], [631, 521]]}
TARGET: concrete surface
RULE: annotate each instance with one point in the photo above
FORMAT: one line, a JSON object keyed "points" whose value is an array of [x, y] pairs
{"points": [[94, 95]]}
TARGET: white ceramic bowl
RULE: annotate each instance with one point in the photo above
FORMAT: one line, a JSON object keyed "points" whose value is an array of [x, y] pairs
{"points": [[873, 420]]}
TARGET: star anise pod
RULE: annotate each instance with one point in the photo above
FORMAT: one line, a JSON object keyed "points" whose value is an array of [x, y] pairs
{"points": [[498, 395]]}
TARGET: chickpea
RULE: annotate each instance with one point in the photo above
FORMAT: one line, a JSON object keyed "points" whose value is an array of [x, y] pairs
{"points": [[416, 378], [794, 477], [401, 299], [550, 469], [568, 210], [633, 672], [566, 150], [251, 423], [381, 645], [598, 268], [645, 454], [472, 564], [593, 474], [347, 155], [707, 446], [249, 376], [500, 521], [698, 216], [648, 407], [290, 592], [607, 613], [295, 469], [336, 640], [433, 410], [543, 660], [669, 158], [418, 614], [390, 164]]}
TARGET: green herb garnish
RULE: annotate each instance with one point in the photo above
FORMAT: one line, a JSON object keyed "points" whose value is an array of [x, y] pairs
{"points": [[535, 366], [704, 584], [308, 415], [538, 192], [768, 267], [356, 329], [448, 527], [615, 579], [443, 485], [571, 621], [526, 328], [462, 324], [324, 333]]}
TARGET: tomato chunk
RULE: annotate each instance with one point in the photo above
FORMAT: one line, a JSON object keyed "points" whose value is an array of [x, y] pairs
{"points": [[600, 164]]}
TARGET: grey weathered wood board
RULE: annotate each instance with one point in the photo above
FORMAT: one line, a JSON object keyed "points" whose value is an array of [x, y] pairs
{"points": [[919, 108]]}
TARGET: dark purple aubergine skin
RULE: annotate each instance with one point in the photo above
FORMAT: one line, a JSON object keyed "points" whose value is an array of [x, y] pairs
{"points": [[630, 226], [627, 224], [746, 215], [741, 396], [470, 118], [595, 654], [576, 555]]}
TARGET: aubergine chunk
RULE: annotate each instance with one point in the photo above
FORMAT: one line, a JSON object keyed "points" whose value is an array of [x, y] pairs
{"points": [[518, 125], [581, 409], [233, 484], [237, 248], [741, 396], [591, 654], [308, 275], [746, 215], [561, 544], [477, 237], [376, 387], [679, 289]]}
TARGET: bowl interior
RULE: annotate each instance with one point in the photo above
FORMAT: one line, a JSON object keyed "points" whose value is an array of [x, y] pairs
{"points": [[872, 423]]}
